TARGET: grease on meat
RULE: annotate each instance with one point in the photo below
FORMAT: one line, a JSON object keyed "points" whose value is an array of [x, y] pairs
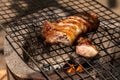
{"points": [[67, 30]]}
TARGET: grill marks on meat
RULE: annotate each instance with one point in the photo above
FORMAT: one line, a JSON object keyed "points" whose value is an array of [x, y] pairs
{"points": [[64, 32], [67, 30], [53, 35]]}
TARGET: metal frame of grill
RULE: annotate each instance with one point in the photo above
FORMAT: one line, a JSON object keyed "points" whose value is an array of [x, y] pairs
{"points": [[25, 33]]}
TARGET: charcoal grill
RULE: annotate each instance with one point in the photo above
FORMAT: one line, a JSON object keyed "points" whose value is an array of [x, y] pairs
{"points": [[49, 62]]}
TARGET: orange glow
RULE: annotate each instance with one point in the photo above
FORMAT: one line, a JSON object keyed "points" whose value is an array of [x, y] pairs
{"points": [[72, 68]]}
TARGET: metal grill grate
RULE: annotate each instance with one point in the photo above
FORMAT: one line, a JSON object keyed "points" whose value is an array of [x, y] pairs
{"points": [[51, 60]]}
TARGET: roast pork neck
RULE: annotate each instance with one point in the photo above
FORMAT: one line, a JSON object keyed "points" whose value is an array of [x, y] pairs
{"points": [[67, 30]]}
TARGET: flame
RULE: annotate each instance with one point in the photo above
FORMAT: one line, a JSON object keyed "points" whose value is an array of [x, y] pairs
{"points": [[72, 68]]}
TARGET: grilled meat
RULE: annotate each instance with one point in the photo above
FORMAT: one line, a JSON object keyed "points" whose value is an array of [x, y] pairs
{"points": [[86, 48], [67, 30]]}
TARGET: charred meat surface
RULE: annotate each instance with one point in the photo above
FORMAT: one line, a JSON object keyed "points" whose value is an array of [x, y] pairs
{"points": [[67, 30], [86, 48]]}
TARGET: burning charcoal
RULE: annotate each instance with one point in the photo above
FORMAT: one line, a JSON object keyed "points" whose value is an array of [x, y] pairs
{"points": [[71, 69], [71, 61], [79, 68], [74, 68]]}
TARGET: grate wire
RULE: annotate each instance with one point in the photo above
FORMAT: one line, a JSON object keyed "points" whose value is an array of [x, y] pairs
{"points": [[25, 32]]}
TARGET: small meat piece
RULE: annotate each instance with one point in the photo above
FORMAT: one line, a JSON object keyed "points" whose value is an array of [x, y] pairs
{"points": [[86, 48], [67, 30]]}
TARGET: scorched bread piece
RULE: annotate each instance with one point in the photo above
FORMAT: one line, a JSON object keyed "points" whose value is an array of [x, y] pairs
{"points": [[86, 48], [67, 30]]}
